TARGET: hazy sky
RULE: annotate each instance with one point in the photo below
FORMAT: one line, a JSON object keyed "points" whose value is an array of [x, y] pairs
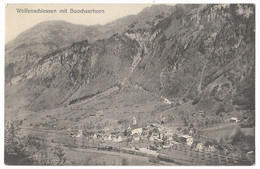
{"points": [[19, 22]]}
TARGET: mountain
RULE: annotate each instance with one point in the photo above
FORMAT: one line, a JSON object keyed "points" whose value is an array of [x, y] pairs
{"points": [[202, 54], [42, 39], [47, 38], [199, 54]]}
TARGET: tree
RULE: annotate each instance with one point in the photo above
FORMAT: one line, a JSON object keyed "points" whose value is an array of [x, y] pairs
{"points": [[214, 141], [29, 150], [206, 123], [58, 152], [185, 131], [221, 141], [14, 152], [38, 150], [221, 109]]}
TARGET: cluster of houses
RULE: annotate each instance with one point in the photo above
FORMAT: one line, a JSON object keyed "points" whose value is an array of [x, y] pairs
{"points": [[154, 134], [152, 137], [156, 137]]}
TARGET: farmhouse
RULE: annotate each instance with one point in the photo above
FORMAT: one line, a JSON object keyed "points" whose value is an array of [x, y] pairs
{"points": [[186, 139], [234, 119]]}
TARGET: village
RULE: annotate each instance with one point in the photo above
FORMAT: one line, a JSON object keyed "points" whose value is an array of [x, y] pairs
{"points": [[153, 138]]}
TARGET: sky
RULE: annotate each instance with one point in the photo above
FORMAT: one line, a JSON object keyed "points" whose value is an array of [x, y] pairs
{"points": [[15, 23]]}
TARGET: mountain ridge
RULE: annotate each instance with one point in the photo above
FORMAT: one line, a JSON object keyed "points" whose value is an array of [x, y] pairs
{"points": [[186, 53]]}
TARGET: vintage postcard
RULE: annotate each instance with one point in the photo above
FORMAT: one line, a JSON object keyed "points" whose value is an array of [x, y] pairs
{"points": [[130, 84]]}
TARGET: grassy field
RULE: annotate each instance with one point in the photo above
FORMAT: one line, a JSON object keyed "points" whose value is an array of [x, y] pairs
{"points": [[94, 157], [225, 130], [104, 109]]}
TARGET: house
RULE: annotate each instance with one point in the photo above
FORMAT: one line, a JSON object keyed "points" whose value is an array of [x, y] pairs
{"points": [[117, 139], [99, 136], [166, 146], [186, 139], [151, 138], [80, 133], [136, 137], [199, 146], [129, 129], [134, 121], [212, 148], [234, 119], [95, 136], [194, 114], [107, 137], [190, 132], [106, 129], [137, 131], [168, 138], [202, 114]]}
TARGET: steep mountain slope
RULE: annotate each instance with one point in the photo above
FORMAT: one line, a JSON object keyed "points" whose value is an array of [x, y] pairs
{"points": [[204, 54], [89, 67], [42, 39], [198, 49]]}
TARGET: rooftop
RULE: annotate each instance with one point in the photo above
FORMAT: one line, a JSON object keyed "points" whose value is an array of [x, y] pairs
{"points": [[185, 136]]}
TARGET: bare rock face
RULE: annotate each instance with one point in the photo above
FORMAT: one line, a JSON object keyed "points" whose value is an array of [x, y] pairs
{"points": [[204, 54]]}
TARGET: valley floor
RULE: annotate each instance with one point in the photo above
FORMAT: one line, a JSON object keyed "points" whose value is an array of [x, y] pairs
{"points": [[131, 128]]}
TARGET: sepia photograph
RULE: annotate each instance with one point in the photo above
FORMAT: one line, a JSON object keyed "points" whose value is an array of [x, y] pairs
{"points": [[129, 84]]}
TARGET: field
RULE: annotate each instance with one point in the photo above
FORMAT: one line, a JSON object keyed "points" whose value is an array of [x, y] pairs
{"points": [[94, 157], [118, 106], [225, 130]]}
